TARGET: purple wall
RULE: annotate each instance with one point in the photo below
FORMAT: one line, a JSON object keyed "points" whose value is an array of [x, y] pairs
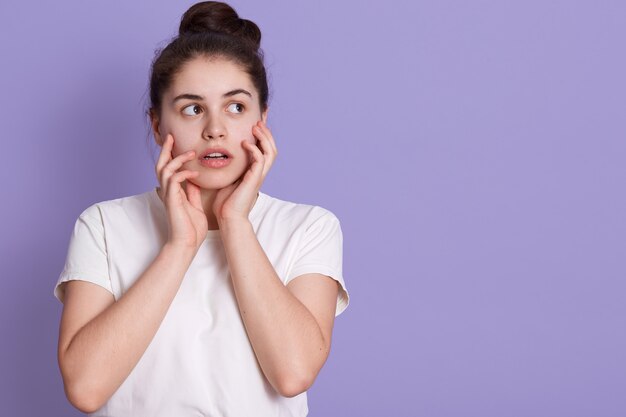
{"points": [[474, 151]]}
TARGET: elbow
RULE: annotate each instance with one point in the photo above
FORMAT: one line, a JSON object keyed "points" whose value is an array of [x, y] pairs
{"points": [[81, 391], [300, 376], [83, 398], [294, 385]]}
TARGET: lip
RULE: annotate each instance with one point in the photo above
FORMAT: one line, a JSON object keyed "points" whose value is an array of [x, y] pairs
{"points": [[215, 163], [213, 150]]}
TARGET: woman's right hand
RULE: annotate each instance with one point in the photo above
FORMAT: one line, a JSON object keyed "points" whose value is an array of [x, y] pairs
{"points": [[186, 218]]}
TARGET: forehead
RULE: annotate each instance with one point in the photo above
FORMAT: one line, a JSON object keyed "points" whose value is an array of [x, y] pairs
{"points": [[210, 78]]}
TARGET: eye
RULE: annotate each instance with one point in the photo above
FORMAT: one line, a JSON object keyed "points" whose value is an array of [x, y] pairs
{"points": [[192, 110], [235, 108]]}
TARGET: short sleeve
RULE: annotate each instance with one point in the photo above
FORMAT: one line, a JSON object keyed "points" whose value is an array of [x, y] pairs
{"points": [[321, 251], [87, 254]]}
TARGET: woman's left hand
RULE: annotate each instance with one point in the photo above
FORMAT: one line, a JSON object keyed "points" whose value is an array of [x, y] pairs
{"points": [[235, 201]]}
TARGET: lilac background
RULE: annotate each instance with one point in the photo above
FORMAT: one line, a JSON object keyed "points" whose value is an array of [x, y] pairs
{"points": [[474, 152]]}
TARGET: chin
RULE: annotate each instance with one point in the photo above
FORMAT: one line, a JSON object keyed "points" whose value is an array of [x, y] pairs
{"points": [[213, 182]]}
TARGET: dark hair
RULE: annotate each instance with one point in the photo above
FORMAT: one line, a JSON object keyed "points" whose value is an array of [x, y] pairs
{"points": [[214, 30]]}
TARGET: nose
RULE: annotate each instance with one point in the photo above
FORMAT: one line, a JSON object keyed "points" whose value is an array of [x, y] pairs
{"points": [[214, 128]]}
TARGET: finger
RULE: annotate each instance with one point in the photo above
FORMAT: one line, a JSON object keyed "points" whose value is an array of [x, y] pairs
{"points": [[257, 155], [175, 181], [268, 150], [178, 162], [193, 194], [264, 141], [164, 158], [258, 160], [266, 146], [165, 155], [269, 135], [174, 165]]}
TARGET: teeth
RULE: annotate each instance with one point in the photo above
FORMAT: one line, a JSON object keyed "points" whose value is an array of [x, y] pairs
{"points": [[215, 155]]}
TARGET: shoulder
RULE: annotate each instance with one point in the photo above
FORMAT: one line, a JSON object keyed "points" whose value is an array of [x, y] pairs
{"points": [[125, 206], [289, 212]]}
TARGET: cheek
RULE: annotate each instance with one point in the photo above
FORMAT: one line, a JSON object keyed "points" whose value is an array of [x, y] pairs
{"points": [[182, 143], [248, 136], [177, 150], [242, 129], [251, 139], [182, 135]]}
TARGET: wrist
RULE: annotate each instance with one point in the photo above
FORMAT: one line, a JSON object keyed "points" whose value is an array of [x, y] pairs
{"points": [[179, 251], [234, 224], [235, 219]]}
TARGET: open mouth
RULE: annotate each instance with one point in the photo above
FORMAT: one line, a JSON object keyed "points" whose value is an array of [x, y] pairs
{"points": [[215, 158], [216, 155]]}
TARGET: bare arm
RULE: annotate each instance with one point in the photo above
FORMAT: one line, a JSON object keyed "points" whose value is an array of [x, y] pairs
{"points": [[289, 328], [101, 341]]}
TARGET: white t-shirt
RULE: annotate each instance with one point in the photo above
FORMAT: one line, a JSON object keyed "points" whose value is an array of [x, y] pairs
{"points": [[200, 362]]}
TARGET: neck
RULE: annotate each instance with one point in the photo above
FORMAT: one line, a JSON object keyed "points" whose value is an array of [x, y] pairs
{"points": [[207, 197]]}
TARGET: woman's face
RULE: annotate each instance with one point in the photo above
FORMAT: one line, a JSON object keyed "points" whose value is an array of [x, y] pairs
{"points": [[210, 107]]}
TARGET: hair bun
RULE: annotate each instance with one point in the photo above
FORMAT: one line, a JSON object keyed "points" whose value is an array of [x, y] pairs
{"points": [[218, 17]]}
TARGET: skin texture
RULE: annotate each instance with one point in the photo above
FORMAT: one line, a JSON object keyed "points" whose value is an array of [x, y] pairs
{"points": [[212, 121], [289, 327]]}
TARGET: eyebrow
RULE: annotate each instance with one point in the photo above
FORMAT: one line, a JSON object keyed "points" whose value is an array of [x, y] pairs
{"points": [[197, 97]]}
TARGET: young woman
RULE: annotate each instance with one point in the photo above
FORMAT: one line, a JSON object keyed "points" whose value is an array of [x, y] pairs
{"points": [[202, 296]]}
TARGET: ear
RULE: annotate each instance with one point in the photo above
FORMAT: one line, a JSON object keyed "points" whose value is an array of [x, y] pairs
{"points": [[264, 115], [154, 121]]}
